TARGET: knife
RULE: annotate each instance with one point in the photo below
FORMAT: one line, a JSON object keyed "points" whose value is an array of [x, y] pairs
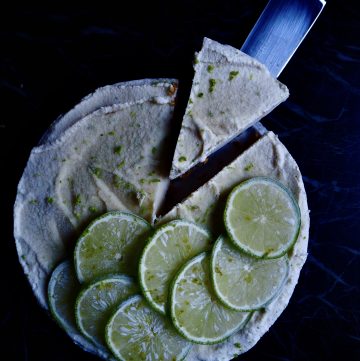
{"points": [[279, 31]]}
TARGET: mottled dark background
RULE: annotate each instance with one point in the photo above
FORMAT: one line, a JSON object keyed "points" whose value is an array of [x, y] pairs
{"points": [[50, 57]]}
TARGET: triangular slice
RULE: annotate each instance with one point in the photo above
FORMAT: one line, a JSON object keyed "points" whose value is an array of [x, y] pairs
{"points": [[111, 159], [266, 157], [230, 92]]}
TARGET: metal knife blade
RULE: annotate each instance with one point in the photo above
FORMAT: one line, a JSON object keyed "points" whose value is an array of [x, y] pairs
{"points": [[279, 31]]}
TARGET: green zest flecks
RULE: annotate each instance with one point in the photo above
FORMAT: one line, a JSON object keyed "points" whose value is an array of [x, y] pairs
{"points": [[212, 83], [120, 182], [121, 164], [117, 149], [77, 200], [150, 180], [193, 207], [97, 172], [182, 159], [248, 167], [210, 68], [233, 75]]}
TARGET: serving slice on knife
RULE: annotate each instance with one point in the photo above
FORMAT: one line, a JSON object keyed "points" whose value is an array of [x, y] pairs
{"points": [[231, 91], [208, 125]]}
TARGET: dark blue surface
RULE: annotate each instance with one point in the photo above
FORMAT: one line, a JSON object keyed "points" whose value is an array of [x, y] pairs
{"points": [[51, 57]]}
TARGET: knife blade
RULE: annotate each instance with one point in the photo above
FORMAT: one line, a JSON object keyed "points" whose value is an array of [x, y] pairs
{"points": [[279, 31]]}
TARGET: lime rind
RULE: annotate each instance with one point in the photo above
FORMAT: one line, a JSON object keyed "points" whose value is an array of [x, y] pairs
{"points": [[125, 285], [163, 333], [275, 291], [145, 229], [244, 317], [295, 207], [63, 267], [69, 325], [161, 306]]}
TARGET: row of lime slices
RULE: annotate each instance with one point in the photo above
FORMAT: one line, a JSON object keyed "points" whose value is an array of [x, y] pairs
{"points": [[192, 290]]}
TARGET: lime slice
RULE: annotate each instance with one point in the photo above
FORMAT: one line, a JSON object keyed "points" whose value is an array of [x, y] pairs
{"points": [[195, 310], [136, 332], [245, 283], [169, 248], [62, 291], [262, 218], [97, 302], [111, 244]]}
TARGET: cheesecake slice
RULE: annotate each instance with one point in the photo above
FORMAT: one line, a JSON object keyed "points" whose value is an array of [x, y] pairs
{"points": [[109, 159], [266, 157], [230, 92]]}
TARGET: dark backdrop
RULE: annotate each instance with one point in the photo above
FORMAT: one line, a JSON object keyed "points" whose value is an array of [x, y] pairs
{"points": [[51, 57]]}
